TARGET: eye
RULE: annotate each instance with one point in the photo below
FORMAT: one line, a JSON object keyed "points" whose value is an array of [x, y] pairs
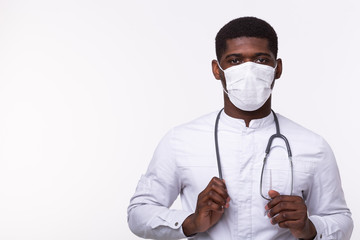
{"points": [[262, 60], [234, 61]]}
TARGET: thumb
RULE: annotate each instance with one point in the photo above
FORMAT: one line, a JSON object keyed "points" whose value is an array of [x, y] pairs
{"points": [[273, 194]]}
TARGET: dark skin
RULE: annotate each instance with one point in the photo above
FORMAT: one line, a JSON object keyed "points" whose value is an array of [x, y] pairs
{"points": [[210, 207], [240, 50], [290, 212], [286, 211]]}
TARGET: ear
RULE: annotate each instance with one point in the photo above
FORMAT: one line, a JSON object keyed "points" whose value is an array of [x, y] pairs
{"points": [[278, 69], [216, 70]]}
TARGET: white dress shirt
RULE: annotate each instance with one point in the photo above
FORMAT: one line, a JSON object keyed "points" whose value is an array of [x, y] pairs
{"points": [[185, 161]]}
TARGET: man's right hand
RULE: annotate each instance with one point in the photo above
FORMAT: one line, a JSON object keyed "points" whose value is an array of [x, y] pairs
{"points": [[210, 207]]}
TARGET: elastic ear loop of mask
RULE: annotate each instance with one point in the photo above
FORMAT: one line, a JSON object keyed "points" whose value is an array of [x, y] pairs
{"points": [[224, 76]]}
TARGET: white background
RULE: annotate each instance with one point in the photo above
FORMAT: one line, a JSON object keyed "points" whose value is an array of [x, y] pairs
{"points": [[88, 88]]}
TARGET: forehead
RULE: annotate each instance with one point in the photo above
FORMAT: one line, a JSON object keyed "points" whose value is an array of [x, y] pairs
{"points": [[247, 46]]}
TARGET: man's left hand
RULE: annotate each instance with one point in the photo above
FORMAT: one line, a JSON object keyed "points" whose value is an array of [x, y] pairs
{"points": [[290, 212]]}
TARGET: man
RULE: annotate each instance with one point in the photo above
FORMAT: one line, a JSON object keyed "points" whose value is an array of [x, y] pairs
{"points": [[298, 199]]}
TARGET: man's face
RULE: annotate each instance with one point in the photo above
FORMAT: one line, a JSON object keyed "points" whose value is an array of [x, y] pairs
{"points": [[245, 49], [241, 50]]}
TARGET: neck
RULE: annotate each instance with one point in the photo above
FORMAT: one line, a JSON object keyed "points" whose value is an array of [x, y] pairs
{"points": [[247, 116]]}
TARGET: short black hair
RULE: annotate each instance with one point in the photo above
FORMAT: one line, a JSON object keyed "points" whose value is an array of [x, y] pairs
{"points": [[246, 27]]}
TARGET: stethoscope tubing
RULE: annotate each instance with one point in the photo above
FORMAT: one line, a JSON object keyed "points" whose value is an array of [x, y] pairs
{"points": [[217, 144], [267, 151]]}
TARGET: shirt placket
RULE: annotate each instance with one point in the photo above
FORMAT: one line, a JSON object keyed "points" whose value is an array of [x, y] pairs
{"points": [[245, 191]]}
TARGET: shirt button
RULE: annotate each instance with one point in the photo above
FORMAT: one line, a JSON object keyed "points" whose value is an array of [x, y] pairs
{"points": [[176, 224], [320, 235]]}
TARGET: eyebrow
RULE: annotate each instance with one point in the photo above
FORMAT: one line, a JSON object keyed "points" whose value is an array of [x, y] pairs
{"points": [[240, 55]]}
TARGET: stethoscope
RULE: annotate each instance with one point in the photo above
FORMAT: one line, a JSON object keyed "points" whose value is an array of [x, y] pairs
{"points": [[267, 151]]}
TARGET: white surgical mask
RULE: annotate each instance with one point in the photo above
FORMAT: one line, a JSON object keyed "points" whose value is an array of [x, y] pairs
{"points": [[249, 84]]}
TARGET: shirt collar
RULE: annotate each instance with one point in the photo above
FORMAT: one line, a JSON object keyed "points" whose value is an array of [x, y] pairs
{"points": [[240, 123]]}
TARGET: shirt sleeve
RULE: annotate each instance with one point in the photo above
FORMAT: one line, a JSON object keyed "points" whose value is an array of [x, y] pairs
{"points": [[326, 202], [149, 213]]}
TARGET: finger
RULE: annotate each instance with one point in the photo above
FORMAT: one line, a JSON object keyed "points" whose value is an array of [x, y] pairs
{"points": [[227, 205], [286, 206], [215, 206], [214, 197], [282, 198], [219, 182], [218, 186], [273, 193], [213, 193], [209, 204], [288, 216]]}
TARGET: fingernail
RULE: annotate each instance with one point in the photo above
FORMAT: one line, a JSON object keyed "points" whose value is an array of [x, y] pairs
{"points": [[266, 207]]}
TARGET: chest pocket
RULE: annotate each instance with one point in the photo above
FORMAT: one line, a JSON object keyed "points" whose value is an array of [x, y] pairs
{"points": [[280, 176]]}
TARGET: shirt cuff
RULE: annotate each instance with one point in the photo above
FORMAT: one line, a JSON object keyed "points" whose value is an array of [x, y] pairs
{"points": [[173, 219], [319, 226]]}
